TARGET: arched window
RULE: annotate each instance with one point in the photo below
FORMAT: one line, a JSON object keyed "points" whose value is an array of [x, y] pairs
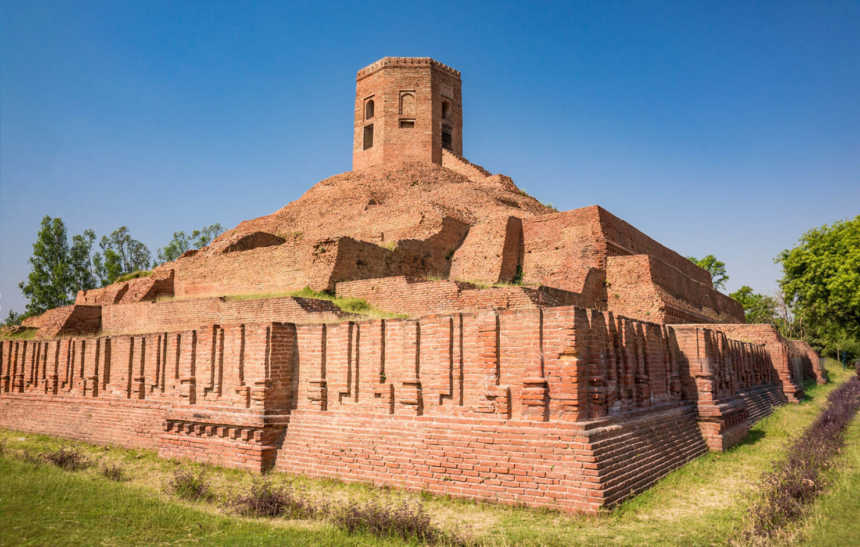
{"points": [[368, 109], [407, 104]]}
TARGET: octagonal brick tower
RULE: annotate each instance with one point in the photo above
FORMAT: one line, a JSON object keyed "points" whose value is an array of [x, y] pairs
{"points": [[406, 109]]}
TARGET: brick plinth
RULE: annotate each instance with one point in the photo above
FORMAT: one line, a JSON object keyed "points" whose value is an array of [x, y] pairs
{"points": [[561, 407]]}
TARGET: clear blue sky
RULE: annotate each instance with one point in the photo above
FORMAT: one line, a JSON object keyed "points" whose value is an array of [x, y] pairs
{"points": [[728, 128]]}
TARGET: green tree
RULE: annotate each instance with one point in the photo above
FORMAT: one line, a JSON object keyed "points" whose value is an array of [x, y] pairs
{"points": [[758, 308], [121, 254], [715, 267], [48, 283], [821, 283], [13, 319], [81, 262], [182, 242]]}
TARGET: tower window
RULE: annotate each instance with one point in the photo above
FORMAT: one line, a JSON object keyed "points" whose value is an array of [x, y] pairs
{"points": [[407, 103], [447, 140], [368, 109], [368, 136], [407, 124], [445, 110]]}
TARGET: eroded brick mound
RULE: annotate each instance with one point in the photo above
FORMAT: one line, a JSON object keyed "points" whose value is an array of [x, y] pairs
{"points": [[389, 203]]}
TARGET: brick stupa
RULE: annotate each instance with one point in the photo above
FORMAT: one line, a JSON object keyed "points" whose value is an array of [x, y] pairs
{"points": [[561, 359]]}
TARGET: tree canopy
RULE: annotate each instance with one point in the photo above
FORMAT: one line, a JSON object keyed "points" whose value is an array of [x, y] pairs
{"points": [[50, 280], [182, 242], [60, 269], [821, 283], [758, 308], [121, 254], [715, 267]]}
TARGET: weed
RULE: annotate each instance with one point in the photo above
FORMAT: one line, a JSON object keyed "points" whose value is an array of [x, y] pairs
{"points": [[67, 458], [113, 472], [266, 500], [405, 521], [518, 277], [189, 485]]}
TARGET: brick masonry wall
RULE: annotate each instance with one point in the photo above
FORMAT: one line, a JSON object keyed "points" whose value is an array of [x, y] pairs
{"points": [[491, 253], [563, 407], [777, 348], [73, 319], [408, 89], [724, 377], [145, 317], [642, 287], [416, 297]]}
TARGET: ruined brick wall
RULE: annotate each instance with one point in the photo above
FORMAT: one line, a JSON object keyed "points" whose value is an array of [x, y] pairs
{"points": [[642, 287], [810, 361], [407, 117], [734, 383], [563, 249], [159, 283], [73, 319], [623, 238], [562, 407], [777, 348], [491, 252], [416, 297], [577, 250], [146, 317]]}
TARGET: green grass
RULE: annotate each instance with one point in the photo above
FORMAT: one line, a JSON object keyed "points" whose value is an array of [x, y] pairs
{"points": [[133, 275], [357, 306], [43, 505], [23, 334], [700, 504]]}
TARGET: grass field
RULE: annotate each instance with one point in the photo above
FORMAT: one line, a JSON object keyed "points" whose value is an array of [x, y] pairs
{"points": [[702, 503]]}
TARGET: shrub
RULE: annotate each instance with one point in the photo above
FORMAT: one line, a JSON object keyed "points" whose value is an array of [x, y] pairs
{"points": [[405, 521], [266, 500], [67, 458], [114, 473], [189, 485], [796, 481]]}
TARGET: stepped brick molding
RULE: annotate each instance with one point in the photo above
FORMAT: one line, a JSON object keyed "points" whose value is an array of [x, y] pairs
{"points": [[562, 407]]}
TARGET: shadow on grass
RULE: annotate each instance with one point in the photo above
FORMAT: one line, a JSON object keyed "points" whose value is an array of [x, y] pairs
{"points": [[752, 438]]}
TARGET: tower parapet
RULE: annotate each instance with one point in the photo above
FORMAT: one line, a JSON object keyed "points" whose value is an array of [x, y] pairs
{"points": [[406, 109]]}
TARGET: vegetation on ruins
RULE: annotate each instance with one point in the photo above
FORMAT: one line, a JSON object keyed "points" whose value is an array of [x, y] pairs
{"points": [[715, 267], [60, 267], [708, 501], [121, 254], [821, 284], [182, 242], [758, 308]]}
